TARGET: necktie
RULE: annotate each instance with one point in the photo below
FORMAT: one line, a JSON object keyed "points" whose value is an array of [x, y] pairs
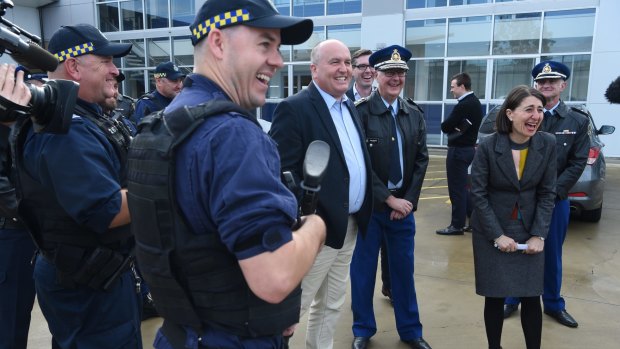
{"points": [[548, 121], [395, 174]]}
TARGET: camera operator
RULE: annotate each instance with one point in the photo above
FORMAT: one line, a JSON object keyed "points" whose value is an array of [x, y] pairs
{"points": [[16, 247], [73, 201]]}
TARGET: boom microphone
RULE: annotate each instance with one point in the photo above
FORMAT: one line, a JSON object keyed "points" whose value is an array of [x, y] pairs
{"points": [[613, 91], [28, 54]]}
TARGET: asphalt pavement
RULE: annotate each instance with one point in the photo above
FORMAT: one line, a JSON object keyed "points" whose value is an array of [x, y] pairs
{"points": [[451, 312]]}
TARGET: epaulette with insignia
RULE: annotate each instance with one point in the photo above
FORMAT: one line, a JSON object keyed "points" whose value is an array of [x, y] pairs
{"points": [[360, 101], [408, 99], [579, 110]]}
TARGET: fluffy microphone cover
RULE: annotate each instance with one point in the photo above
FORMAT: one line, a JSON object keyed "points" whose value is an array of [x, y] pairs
{"points": [[613, 91]]}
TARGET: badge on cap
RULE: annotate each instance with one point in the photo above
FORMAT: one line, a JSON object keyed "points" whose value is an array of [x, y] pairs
{"points": [[396, 55]]}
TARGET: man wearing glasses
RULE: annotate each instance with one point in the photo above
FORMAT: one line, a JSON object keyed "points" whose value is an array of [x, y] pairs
{"points": [[396, 142], [363, 75]]}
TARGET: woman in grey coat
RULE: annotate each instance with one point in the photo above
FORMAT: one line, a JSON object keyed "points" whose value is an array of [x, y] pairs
{"points": [[513, 190]]}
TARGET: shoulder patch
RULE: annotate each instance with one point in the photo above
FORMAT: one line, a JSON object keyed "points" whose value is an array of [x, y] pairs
{"points": [[361, 101], [579, 110], [414, 104]]}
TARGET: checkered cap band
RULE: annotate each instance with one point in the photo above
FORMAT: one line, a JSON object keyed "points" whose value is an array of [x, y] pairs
{"points": [[159, 75], [75, 51], [220, 21]]}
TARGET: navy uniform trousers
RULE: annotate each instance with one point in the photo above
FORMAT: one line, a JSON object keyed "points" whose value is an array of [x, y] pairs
{"points": [[552, 300], [84, 318], [458, 160], [16, 287], [399, 240]]}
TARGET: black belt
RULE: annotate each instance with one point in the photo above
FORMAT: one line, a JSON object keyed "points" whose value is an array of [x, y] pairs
{"points": [[11, 223], [176, 335]]}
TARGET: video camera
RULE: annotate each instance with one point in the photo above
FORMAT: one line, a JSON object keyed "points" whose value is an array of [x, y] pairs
{"points": [[51, 105]]}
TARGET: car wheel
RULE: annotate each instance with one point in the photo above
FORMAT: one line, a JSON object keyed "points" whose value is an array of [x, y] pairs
{"points": [[592, 215]]}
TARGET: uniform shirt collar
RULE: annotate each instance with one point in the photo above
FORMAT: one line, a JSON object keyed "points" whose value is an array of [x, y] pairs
{"points": [[394, 104]]}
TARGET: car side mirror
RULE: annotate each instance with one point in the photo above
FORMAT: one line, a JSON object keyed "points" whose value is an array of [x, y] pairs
{"points": [[606, 130]]}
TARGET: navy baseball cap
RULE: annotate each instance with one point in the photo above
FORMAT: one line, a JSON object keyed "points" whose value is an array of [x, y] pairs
{"points": [[253, 13], [80, 39], [391, 57], [168, 70], [550, 70]]}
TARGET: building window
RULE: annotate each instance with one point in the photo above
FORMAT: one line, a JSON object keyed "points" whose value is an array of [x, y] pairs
{"points": [[468, 2], [308, 8], [425, 80], [516, 33], [568, 31], [301, 77], [135, 58], [134, 83], [508, 73], [432, 118], [182, 50], [426, 3], [301, 52], [108, 17], [283, 6], [477, 70], [278, 84], [426, 38], [349, 34], [183, 12], [131, 15], [469, 36], [157, 14], [337, 7], [158, 51]]}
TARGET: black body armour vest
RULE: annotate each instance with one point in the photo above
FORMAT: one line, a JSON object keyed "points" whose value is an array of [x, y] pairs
{"points": [[82, 256], [195, 281]]}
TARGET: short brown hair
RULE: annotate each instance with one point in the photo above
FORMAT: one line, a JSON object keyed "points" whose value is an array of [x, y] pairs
{"points": [[513, 100], [462, 79], [359, 53]]}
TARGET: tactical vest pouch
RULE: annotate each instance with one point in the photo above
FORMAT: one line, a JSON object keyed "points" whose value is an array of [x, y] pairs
{"points": [[99, 269]]}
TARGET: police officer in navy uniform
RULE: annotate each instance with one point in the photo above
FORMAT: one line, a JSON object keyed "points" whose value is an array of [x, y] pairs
{"points": [[72, 198], [215, 241], [168, 84], [396, 141], [16, 251], [570, 127]]}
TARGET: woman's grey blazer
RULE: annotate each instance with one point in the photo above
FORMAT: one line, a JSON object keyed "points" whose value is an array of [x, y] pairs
{"points": [[495, 188]]}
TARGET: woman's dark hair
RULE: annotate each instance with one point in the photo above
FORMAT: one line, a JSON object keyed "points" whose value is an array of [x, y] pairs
{"points": [[513, 100]]}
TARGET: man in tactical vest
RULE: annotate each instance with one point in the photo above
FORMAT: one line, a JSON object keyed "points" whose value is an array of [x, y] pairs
{"points": [[212, 218], [73, 201], [16, 250], [168, 84]]}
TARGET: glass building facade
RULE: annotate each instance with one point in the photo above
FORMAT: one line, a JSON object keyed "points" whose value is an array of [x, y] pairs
{"points": [[496, 41]]}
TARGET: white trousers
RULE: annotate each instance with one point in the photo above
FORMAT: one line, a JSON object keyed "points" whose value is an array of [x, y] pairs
{"points": [[324, 290]]}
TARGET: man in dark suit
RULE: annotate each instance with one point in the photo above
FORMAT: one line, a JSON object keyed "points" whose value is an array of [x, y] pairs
{"points": [[461, 126], [363, 75], [396, 140], [322, 111]]}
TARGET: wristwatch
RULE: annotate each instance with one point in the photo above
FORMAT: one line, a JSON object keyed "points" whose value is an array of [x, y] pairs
{"points": [[540, 237]]}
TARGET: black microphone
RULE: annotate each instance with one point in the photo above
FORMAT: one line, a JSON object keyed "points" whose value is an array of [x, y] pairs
{"points": [[28, 54], [613, 91]]}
